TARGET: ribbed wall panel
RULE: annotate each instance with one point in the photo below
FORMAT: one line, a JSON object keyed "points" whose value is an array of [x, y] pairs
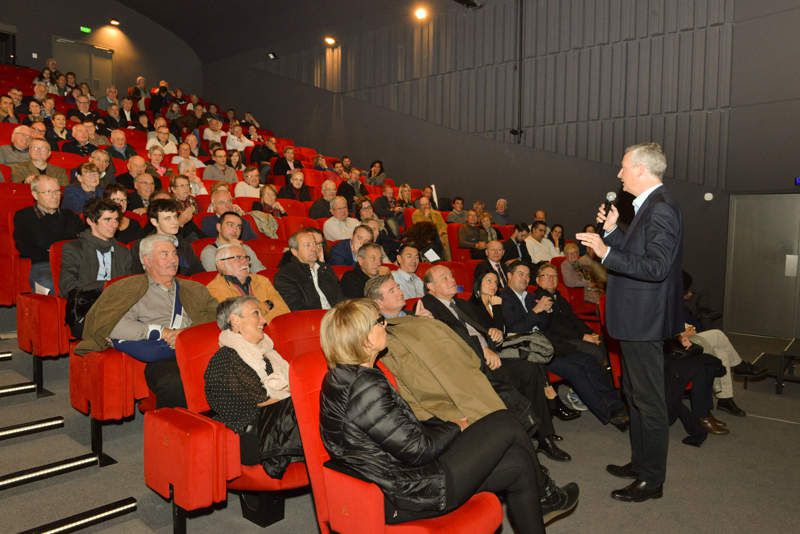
{"points": [[597, 75]]}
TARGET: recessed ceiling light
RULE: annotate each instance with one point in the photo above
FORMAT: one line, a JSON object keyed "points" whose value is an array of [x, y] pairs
{"points": [[421, 13], [114, 22], [330, 41], [272, 55]]}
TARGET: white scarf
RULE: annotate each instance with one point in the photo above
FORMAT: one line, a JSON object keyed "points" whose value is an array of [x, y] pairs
{"points": [[277, 383]]}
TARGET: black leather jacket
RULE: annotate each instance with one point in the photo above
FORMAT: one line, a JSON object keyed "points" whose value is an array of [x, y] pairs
{"points": [[296, 286], [369, 429]]}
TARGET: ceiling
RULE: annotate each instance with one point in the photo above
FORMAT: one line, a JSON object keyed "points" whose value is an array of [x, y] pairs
{"points": [[217, 29]]}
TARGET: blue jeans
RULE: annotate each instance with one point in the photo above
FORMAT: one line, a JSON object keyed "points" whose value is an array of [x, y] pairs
{"points": [[41, 274]]}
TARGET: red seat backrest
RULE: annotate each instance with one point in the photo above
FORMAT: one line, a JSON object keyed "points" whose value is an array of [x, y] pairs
{"points": [[55, 263], [339, 270], [295, 208], [204, 277], [246, 203], [194, 348], [296, 333], [290, 224], [199, 244], [269, 251]]}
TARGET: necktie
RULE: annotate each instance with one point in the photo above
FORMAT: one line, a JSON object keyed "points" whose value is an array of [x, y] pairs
{"points": [[501, 275]]}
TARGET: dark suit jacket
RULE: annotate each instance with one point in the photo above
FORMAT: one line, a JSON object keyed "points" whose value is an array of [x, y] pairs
{"points": [[519, 319], [341, 253], [644, 291], [282, 166], [562, 325], [485, 267], [513, 254], [353, 283], [441, 313], [293, 281], [124, 122], [114, 153], [134, 200]]}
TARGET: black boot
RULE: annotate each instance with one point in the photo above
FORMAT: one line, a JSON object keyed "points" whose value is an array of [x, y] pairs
{"points": [[556, 501]]}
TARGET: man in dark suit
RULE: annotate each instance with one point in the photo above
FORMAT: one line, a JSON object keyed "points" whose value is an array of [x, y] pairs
{"points": [[492, 263], [519, 383], [643, 308], [515, 248], [305, 282], [369, 264]]}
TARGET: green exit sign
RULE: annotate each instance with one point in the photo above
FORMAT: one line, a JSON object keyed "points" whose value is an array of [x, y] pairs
{"points": [[86, 29]]}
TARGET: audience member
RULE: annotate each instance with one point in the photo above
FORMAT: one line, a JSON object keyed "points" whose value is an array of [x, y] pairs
{"points": [[220, 170], [109, 99], [387, 209], [161, 139], [163, 217], [17, 151], [286, 163], [187, 168], [427, 192], [39, 226], [128, 230], [368, 265], [94, 257], [556, 237], [457, 214], [406, 275], [144, 186], [321, 207], [229, 230], [485, 222], [541, 250], [295, 189], [185, 154], [339, 226], [235, 160], [81, 112], [236, 140], [85, 189], [519, 383], [237, 276], [493, 263], [142, 315], [426, 213], [305, 282], [472, 236], [345, 252], [516, 247], [377, 174], [352, 188], [222, 202], [7, 113], [39, 152], [250, 186], [261, 155], [80, 142], [575, 273], [247, 386], [500, 214]]}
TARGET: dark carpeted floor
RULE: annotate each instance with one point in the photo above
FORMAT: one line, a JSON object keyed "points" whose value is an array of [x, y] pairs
{"points": [[744, 482]]}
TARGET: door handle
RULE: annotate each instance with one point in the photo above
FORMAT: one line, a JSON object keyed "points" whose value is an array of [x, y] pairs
{"points": [[790, 266]]}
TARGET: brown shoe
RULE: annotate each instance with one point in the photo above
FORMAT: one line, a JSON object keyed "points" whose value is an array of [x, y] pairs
{"points": [[716, 421], [711, 428]]}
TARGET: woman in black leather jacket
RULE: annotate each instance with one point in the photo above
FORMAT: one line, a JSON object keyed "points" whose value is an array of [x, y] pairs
{"points": [[424, 469]]}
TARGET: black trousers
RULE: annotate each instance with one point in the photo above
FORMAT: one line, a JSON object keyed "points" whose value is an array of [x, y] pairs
{"points": [[643, 384], [591, 383], [164, 379], [528, 380], [493, 454], [677, 374]]}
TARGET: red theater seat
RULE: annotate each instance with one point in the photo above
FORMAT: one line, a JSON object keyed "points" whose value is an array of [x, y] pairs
{"points": [[348, 505], [296, 333], [193, 458]]}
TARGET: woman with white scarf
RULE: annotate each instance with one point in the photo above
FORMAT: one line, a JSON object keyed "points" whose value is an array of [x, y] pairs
{"points": [[247, 386]]}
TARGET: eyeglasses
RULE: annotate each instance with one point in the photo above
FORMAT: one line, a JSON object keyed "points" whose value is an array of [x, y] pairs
{"points": [[53, 192], [237, 258], [380, 321]]}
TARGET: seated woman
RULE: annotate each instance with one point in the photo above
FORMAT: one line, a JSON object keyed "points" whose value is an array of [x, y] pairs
{"points": [[236, 161], [486, 223], [247, 386], [128, 230], [424, 468], [576, 273], [189, 169], [295, 189], [155, 164]]}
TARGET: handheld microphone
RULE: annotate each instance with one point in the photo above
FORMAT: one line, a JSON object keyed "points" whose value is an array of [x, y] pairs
{"points": [[611, 197]]}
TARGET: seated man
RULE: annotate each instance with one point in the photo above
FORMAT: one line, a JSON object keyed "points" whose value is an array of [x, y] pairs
{"points": [[236, 278], [39, 151], [519, 383], [577, 349], [576, 273], [80, 142], [236, 139], [352, 188], [493, 263], [406, 276], [96, 134], [214, 133], [144, 186], [39, 226], [250, 186], [7, 112], [94, 257], [369, 264], [390, 297], [163, 216], [120, 148], [472, 236], [222, 202], [540, 250], [321, 207], [81, 112], [287, 163], [17, 151], [339, 226], [386, 208], [457, 214], [161, 139], [142, 315], [185, 154], [110, 98], [229, 229], [305, 282], [85, 189], [345, 252], [220, 170], [128, 116], [500, 215], [427, 192]]}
